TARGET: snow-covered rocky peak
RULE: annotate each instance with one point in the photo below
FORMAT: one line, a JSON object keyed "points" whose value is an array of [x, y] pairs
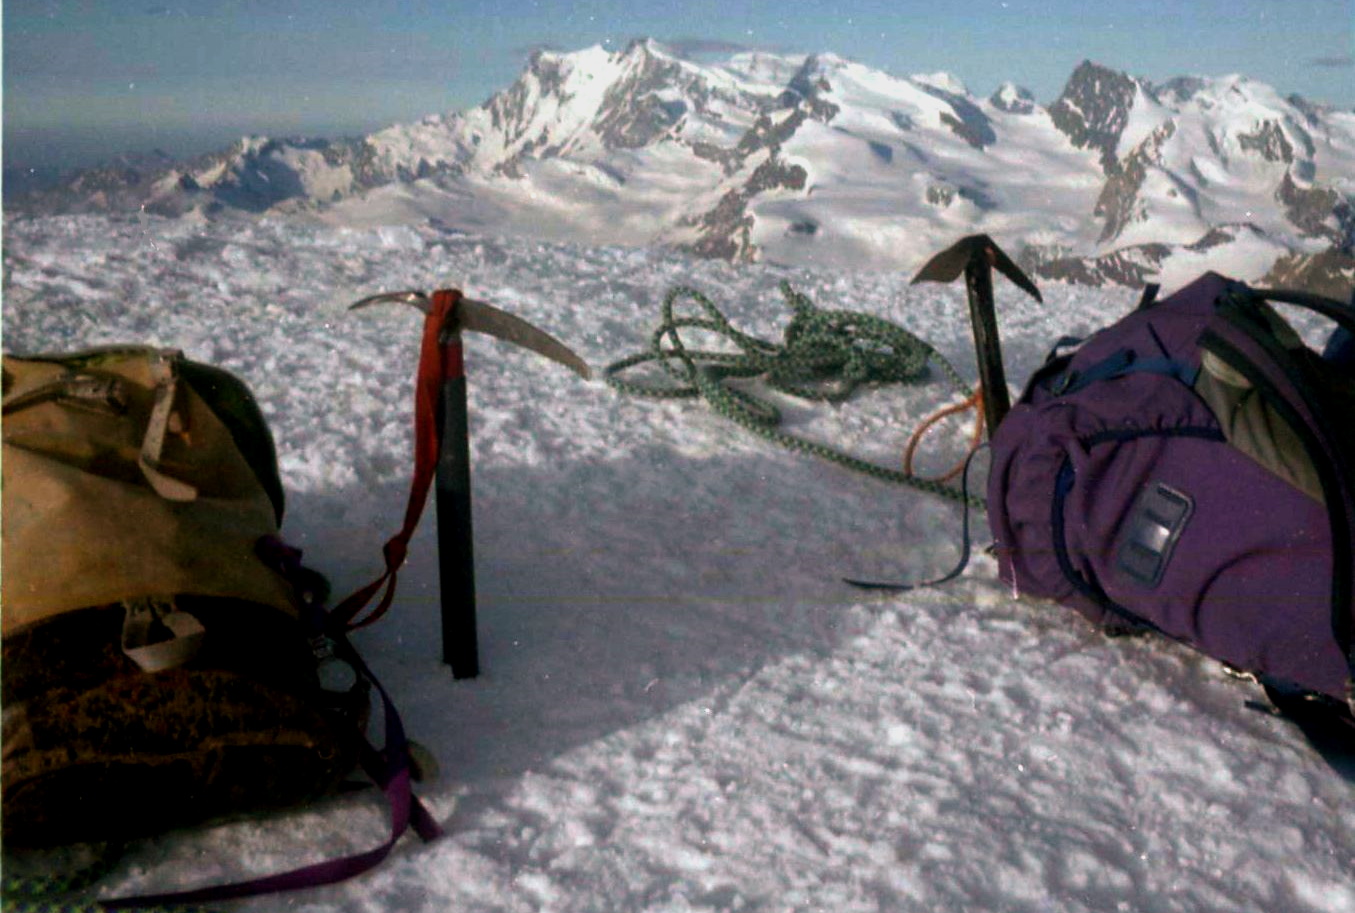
{"points": [[946, 82], [816, 158], [1013, 99], [1093, 110]]}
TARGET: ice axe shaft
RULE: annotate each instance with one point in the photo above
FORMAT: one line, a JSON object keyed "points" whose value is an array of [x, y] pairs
{"points": [[452, 504], [452, 478], [976, 256]]}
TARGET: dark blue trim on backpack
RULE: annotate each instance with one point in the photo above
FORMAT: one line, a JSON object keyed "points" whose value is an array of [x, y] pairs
{"points": [[1121, 435], [966, 543], [1123, 363], [1063, 485]]}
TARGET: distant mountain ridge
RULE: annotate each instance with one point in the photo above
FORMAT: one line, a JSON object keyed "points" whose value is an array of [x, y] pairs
{"points": [[820, 159]]}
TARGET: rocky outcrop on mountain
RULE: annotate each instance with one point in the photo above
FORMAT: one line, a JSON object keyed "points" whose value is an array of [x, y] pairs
{"points": [[1329, 272], [725, 232], [640, 108], [1221, 235], [1269, 142], [965, 119], [1013, 99], [1318, 212], [811, 85], [1093, 110], [1120, 201], [510, 111], [1131, 266]]}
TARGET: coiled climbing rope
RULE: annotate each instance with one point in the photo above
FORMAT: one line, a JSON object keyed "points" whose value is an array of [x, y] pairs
{"points": [[68, 892], [825, 355]]}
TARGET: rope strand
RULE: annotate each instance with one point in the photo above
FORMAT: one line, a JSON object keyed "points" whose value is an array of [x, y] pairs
{"points": [[825, 356]]}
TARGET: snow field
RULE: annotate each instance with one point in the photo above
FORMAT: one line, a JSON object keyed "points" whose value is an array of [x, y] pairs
{"points": [[682, 707]]}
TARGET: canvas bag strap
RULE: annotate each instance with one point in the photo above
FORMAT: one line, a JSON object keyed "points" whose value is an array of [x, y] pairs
{"points": [[434, 368], [389, 768], [165, 374], [108, 393]]}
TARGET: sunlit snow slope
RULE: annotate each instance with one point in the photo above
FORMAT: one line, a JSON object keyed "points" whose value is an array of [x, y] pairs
{"points": [[682, 707]]}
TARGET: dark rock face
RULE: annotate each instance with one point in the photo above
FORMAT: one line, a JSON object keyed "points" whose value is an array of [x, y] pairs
{"points": [[509, 110], [811, 85], [1330, 272], [1013, 99], [1269, 142], [773, 174], [726, 230], [1094, 110], [964, 119], [1312, 113], [1215, 237], [1119, 203], [940, 195], [632, 115], [767, 133], [1318, 212], [1130, 266]]}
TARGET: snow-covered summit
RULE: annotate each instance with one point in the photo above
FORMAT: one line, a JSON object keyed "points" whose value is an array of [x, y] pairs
{"points": [[819, 159]]}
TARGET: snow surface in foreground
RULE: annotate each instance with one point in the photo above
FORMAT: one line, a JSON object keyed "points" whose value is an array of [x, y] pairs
{"points": [[682, 708]]}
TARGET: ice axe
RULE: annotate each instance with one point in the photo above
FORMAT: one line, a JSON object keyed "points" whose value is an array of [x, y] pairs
{"points": [[442, 455], [976, 256]]}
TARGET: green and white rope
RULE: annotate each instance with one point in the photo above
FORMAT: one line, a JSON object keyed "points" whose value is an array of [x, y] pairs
{"points": [[68, 892], [825, 355]]}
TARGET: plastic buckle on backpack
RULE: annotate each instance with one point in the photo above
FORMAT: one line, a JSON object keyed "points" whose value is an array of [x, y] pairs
{"points": [[105, 394], [158, 635], [1155, 524], [91, 392], [96, 393], [334, 674], [1061, 383]]}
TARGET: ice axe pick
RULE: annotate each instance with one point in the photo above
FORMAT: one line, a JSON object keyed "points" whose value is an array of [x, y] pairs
{"points": [[976, 256], [442, 449]]}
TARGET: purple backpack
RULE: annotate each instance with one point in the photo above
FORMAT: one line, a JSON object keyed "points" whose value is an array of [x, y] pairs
{"points": [[1188, 470]]}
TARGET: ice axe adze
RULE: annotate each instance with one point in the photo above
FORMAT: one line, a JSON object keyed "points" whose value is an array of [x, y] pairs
{"points": [[442, 454], [976, 256]]}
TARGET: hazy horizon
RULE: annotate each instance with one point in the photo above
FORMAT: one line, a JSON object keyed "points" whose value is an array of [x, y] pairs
{"points": [[38, 156], [85, 82]]}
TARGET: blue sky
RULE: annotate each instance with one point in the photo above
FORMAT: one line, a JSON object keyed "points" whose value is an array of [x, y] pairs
{"points": [[85, 79]]}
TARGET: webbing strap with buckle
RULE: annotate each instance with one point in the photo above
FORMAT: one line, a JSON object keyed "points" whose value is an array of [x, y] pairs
{"points": [[434, 368], [388, 767]]}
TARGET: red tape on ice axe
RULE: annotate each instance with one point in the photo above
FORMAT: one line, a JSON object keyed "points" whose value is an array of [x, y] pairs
{"points": [[442, 456], [437, 364]]}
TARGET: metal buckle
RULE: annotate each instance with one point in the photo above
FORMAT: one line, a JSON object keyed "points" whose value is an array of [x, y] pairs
{"points": [[96, 392]]}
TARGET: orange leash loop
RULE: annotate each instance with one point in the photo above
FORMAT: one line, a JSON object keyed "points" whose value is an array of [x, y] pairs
{"points": [[974, 402]]}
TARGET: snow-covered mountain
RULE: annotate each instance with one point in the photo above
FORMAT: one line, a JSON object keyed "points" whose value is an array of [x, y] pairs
{"points": [[819, 159]]}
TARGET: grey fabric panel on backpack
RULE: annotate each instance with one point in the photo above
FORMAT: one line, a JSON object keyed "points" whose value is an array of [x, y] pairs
{"points": [[1255, 428]]}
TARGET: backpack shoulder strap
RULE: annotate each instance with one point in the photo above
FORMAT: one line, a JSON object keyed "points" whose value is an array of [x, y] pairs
{"points": [[1240, 307]]}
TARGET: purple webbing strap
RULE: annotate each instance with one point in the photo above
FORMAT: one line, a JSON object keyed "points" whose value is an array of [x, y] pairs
{"points": [[388, 768]]}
